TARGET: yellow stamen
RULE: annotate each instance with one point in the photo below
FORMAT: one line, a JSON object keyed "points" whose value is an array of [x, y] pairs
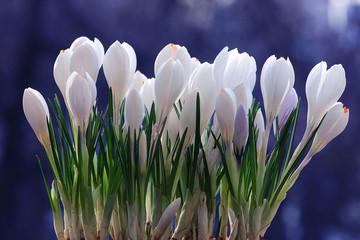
{"points": [[62, 51], [196, 59], [346, 110], [281, 58], [143, 81], [222, 89], [173, 46]]}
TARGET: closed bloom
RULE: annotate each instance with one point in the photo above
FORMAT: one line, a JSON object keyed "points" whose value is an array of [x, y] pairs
{"points": [[37, 112], [169, 83], [119, 68], [138, 80], [80, 97], [277, 79], [225, 113], [259, 124], [203, 80], [241, 132], [172, 126], [333, 124], [147, 92], [188, 115], [233, 68], [290, 102], [83, 56], [323, 90], [134, 110], [166, 218]]}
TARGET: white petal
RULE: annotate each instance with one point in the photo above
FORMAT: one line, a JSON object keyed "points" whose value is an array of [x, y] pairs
{"points": [[241, 130], [147, 93], [219, 66], [36, 112], [259, 123], [188, 114], [138, 80], [61, 70], [166, 218], [172, 125], [243, 95], [100, 51], [132, 56], [134, 110], [77, 42]]}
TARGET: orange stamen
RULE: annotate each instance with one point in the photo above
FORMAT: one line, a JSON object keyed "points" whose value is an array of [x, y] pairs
{"points": [[346, 110], [62, 51]]}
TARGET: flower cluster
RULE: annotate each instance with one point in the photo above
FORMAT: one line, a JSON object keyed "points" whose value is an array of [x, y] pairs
{"points": [[166, 146]]}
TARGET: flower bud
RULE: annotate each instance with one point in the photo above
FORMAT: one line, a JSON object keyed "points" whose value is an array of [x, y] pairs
{"points": [[169, 83], [172, 126], [277, 79], [147, 93], [259, 124], [323, 90], [241, 132], [166, 218], [80, 97], [37, 112], [134, 110], [290, 102], [225, 113], [61, 70]]}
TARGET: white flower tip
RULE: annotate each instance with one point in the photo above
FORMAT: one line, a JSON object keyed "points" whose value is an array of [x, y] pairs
{"points": [[166, 218]]}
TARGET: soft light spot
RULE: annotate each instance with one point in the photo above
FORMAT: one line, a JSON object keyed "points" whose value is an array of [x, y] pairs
{"points": [[346, 110]]}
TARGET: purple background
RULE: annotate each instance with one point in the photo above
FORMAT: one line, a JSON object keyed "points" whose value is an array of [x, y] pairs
{"points": [[325, 201]]}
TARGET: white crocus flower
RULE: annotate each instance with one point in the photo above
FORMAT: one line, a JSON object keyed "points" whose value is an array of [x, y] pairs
{"points": [[166, 218], [37, 112], [259, 124], [277, 79], [147, 93], [80, 98], [225, 113], [203, 80], [243, 96], [134, 111], [233, 68], [290, 102], [333, 124], [188, 115], [172, 126], [323, 89], [169, 82], [138, 80], [83, 56], [241, 131]]}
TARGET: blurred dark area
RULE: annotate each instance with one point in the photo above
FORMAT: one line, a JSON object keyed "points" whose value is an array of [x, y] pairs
{"points": [[325, 201]]}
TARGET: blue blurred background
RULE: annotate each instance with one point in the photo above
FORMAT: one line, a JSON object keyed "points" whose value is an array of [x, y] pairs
{"points": [[325, 201]]}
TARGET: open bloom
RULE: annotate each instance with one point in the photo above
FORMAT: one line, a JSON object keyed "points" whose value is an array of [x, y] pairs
{"points": [[37, 112], [169, 82], [323, 90], [119, 68], [80, 97], [277, 79], [225, 113]]}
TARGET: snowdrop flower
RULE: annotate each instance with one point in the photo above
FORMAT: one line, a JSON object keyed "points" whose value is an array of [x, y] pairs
{"points": [[169, 82], [203, 80], [80, 98], [147, 92], [259, 123], [37, 112], [290, 102], [134, 110], [188, 115], [138, 80], [83, 56], [241, 132], [225, 113], [119, 68], [232, 68], [323, 90], [277, 79], [333, 124]]}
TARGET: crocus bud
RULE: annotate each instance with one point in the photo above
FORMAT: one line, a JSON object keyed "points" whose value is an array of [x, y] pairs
{"points": [[166, 218], [172, 126], [290, 102], [147, 93], [37, 112], [142, 153], [134, 110], [241, 132], [259, 124], [203, 80], [138, 80], [80, 98], [333, 124], [119, 68], [86, 57], [277, 79], [323, 90], [188, 115], [175, 52], [225, 113], [169, 83], [61, 70]]}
